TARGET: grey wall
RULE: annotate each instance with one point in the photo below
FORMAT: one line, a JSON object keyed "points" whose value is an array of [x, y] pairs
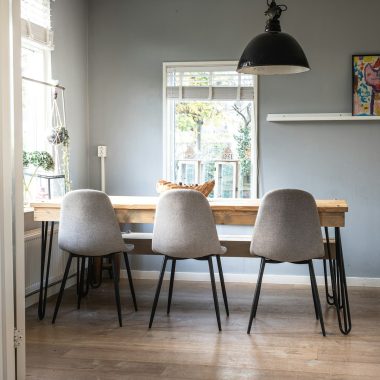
{"points": [[69, 66], [129, 40]]}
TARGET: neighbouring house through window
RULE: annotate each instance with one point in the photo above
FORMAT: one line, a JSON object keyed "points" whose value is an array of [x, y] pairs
{"points": [[210, 127]]}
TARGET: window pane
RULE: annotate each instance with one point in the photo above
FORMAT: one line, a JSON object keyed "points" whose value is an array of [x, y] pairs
{"points": [[213, 141]]}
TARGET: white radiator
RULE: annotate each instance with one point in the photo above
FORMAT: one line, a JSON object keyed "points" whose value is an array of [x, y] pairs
{"points": [[33, 261]]}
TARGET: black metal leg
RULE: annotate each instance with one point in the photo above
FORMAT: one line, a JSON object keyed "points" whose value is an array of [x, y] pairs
{"points": [[341, 301], [172, 273], [329, 297], [44, 282], [109, 269], [257, 295], [216, 304], [316, 296], [78, 274], [63, 284], [115, 277], [222, 284], [93, 283], [81, 281], [158, 291], [131, 287], [88, 272]]}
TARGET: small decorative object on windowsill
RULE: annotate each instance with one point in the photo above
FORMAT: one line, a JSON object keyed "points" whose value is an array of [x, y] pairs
{"points": [[205, 188], [366, 85], [273, 52], [39, 160]]}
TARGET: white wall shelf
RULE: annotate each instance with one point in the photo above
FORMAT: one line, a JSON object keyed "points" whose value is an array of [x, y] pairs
{"points": [[318, 117]]}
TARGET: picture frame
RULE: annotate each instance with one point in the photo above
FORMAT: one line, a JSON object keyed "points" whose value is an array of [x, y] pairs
{"points": [[366, 85]]}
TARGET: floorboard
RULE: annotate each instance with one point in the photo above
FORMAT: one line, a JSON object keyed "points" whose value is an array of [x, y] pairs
{"points": [[285, 342]]}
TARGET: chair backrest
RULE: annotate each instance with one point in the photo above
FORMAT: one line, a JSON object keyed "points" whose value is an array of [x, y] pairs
{"points": [[287, 227], [88, 224], [184, 226]]}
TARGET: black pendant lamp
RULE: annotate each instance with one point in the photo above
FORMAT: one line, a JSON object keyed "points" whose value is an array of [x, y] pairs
{"points": [[273, 52]]}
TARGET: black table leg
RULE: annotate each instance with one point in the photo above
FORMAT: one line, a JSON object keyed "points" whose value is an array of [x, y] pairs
{"points": [[44, 282], [339, 285]]}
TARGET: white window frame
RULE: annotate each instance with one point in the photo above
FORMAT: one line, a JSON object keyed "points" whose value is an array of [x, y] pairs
{"points": [[168, 132], [26, 43]]}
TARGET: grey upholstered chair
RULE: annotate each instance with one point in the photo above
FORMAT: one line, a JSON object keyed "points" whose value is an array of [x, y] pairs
{"points": [[88, 228], [184, 228], [287, 229]]}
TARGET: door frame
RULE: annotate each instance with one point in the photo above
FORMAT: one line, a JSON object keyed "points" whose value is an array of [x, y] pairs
{"points": [[12, 287]]}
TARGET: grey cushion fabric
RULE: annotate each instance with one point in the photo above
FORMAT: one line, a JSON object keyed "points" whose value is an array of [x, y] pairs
{"points": [[287, 227], [184, 226], [88, 224]]}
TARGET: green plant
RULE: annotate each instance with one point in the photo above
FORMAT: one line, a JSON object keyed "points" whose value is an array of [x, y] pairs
{"points": [[60, 136], [37, 159]]}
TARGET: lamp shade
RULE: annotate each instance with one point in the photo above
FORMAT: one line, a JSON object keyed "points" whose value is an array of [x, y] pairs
{"points": [[273, 53]]}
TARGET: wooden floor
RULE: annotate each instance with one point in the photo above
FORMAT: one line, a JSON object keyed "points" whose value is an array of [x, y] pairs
{"points": [[285, 342]]}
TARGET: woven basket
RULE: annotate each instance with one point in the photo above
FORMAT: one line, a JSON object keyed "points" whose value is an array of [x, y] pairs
{"points": [[204, 188]]}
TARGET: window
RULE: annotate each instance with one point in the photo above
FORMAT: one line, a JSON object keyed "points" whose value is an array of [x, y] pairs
{"points": [[210, 127], [36, 98]]}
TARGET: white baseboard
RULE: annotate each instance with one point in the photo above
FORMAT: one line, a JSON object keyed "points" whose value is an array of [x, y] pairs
{"points": [[249, 278], [33, 298]]}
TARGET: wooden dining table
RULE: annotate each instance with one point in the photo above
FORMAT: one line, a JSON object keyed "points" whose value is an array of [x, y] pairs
{"points": [[237, 211]]}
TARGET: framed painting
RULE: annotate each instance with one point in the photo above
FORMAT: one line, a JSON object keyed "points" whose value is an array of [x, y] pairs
{"points": [[366, 85]]}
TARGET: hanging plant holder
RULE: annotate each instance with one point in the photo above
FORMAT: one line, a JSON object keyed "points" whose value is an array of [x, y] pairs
{"points": [[60, 139], [59, 135]]}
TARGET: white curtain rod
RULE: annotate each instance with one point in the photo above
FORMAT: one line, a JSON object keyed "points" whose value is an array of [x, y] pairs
{"points": [[45, 83]]}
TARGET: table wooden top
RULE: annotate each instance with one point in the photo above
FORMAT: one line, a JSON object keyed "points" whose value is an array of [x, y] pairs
{"points": [[242, 211]]}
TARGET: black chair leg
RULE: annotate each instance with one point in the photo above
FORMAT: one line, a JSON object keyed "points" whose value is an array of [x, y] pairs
{"points": [[257, 295], [314, 285], [130, 280], [78, 274], [109, 261], [158, 291], [115, 276], [63, 284], [81, 281], [216, 304], [314, 300], [172, 273], [222, 284]]}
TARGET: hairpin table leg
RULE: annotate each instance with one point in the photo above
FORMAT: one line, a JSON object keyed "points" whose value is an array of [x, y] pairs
{"points": [[339, 297], [44, 282]]}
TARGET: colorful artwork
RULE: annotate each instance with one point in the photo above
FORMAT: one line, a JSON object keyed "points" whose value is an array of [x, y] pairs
{"points": [[366, 85]]}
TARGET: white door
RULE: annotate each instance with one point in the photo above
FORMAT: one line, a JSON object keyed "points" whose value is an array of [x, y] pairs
{"points": [[12, 289]]}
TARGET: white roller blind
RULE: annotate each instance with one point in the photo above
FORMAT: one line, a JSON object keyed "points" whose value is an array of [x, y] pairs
{"points": [[36, 22], [208, 83]]}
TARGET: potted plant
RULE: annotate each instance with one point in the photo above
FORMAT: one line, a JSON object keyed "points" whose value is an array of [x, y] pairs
{"points": [[39, 160]]}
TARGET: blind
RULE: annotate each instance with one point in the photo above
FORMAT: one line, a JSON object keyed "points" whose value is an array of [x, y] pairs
{"points": [[208, 83], [36, 22], [37, 12]]}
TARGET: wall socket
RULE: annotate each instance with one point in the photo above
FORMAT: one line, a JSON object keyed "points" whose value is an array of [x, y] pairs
{"points": [[102, 151]]}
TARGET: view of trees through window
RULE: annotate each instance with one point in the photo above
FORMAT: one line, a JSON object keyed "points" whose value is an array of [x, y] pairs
{"points": [[212, 137]]}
